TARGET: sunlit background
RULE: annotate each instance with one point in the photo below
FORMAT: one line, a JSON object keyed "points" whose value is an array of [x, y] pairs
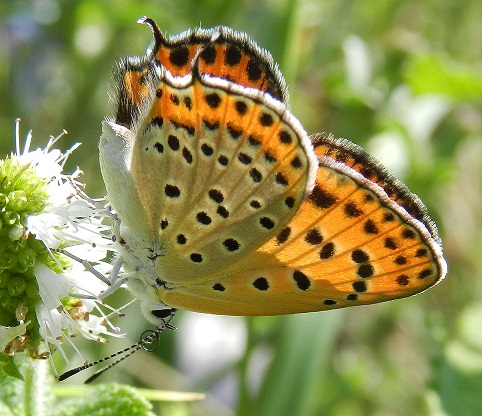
{"points": [[401, 78]]}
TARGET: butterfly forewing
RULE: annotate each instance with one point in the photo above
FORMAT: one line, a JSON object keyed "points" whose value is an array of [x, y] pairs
{"points": [[348, 244], [356, 158]]}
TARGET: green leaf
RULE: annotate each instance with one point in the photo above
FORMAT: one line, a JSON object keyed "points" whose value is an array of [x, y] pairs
{"points": [[108, 400], [459, 391], [11, 388], [299, 365], [432, 74], [9, 367], [4, 410]]}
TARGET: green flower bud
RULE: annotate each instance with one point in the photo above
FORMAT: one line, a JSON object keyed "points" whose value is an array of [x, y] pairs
{"points": [[17, 200], [16, 286]]}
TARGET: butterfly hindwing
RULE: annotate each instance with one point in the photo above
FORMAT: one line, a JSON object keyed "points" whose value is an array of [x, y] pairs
{"points": [[220, 170], [223, 53]]}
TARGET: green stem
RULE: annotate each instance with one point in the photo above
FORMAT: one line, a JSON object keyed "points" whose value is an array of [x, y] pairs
{"points": [[36, 387], [245, 402], [291, 54]]}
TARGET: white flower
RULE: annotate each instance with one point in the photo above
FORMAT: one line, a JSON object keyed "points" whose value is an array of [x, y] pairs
{"points": [[55, 248], [10, 334]]}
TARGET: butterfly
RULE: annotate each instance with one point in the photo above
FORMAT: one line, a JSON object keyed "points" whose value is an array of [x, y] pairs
{"points": [[227, 206]]}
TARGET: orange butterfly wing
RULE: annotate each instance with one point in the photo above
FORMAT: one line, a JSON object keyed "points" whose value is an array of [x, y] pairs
{"points": [[359, 237], [223, 53], [349, 244]]}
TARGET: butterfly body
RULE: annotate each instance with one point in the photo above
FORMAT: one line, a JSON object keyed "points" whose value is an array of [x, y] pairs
{"points": [[226, 205]]}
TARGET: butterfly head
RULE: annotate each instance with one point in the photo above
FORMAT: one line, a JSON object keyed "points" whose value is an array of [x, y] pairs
{"points": [[146, 291]]}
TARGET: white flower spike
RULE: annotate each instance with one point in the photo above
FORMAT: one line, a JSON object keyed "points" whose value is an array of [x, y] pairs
{"points": [[45, 296]]}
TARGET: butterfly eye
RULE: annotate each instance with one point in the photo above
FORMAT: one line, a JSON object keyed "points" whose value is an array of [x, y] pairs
{"points": [[161, 313]]}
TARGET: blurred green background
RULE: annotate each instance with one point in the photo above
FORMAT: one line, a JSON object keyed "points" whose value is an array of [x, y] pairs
{"points": [[401, 78]]}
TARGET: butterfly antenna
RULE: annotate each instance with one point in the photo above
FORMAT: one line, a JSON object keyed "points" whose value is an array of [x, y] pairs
{"points": [[149, 341], [94, 376]]}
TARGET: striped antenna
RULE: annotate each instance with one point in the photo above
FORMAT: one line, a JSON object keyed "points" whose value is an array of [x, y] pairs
{"points": [[149, 341]]}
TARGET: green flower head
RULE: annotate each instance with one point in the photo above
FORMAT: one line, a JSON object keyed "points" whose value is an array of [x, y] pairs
{"points": [[46, 220]]}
